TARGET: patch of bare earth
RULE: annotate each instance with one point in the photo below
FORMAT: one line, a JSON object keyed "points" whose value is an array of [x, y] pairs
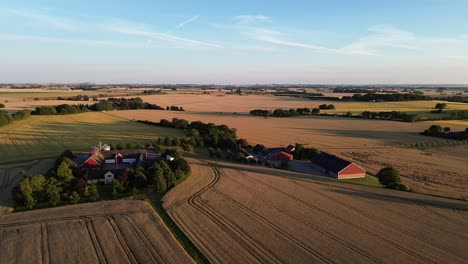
{"points": [[249, 214], [125, 231]]}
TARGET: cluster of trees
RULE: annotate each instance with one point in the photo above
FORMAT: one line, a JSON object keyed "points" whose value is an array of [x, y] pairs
{"points": [[62, 184], [2, 105], [393, 115], [327, 107], [285, 112], [303, 153], [439, 107], [147, 92], [175, 108], [390, 178], [456, 98], [350, 90], [445, 132], [103, 105], [296, 93], [6, 118], [203, 134], [393, 97], [76, 98]]}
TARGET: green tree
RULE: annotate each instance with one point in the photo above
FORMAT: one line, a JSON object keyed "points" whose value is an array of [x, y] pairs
{"points": [[64, 173], [74, 197], [53, 190], [168, 174], [27, 193], [93, 192], [388, 176], [161, 184], [179, 174], [140, 179]]}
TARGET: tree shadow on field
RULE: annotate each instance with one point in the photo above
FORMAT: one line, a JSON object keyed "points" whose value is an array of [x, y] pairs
{"points": [[407, 198]]}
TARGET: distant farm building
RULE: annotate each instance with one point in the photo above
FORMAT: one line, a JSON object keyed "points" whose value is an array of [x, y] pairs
{"points": [[336, 167], [280, 156]]}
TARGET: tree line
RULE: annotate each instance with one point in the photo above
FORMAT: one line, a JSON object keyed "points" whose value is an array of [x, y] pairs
{"points": [[392, 97], [103, 105], [6, 118], [393, 115], [445, 132], [285, 112]]}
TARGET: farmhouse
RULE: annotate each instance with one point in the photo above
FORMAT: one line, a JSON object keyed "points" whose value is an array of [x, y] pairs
{"points": [[336, 167], [103, 165]]}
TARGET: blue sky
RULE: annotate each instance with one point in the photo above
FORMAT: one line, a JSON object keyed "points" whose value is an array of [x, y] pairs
{"points": [[330, 42]]}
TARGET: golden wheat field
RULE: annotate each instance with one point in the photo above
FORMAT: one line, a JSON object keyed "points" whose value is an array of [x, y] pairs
{"points": [[251, 214], [373, 144], [125, 231]]}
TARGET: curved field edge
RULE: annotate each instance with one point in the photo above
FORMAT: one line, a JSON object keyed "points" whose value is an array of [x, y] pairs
{"points": [[183, 239]]}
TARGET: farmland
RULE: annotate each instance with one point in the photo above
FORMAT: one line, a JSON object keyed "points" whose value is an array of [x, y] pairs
{"points": [[125, 231], [249, 214], [373, 144], [45, 136]]}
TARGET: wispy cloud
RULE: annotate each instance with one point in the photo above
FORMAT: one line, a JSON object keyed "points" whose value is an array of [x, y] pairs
{"points": [[273, 37], [52, 21], [251, 19], [190, 20], [87, 42], [144, 32]]}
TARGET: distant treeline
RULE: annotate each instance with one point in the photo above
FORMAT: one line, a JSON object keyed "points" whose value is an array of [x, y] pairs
{"points": [[296, 94], [6, 118], [350, 90], [458, 98], [103, 105], [393, 97], [393, 115], [438, 131], [285, 112]]}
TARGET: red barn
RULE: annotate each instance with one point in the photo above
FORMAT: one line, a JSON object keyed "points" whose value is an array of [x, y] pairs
{"points": [[337, 167], [281, 156]]}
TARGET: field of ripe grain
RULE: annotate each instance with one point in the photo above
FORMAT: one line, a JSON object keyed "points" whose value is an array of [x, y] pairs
{"points": [[249, 214], [124, 231], [46, 136], [10, 176], [373, 144]]}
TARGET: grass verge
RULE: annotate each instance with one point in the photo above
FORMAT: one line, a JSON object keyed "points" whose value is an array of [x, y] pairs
{"points": [[188, 245], [369, 180]]}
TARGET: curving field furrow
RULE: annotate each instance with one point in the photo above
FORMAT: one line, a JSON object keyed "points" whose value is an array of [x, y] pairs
{"points": [[375, 235], [316, 221]]}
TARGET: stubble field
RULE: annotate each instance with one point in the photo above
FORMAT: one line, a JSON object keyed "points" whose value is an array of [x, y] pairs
{"points": [[248, 214], [125, 231], [373, 144]]}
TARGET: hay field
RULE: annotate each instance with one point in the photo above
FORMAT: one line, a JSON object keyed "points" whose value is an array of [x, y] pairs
{"points": [[373, 144], [248, 214], [124, 231], [46, 136]]}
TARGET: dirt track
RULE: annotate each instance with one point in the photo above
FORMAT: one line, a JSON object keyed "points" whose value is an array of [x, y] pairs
{"points": [[124, 231], [241, 214]]}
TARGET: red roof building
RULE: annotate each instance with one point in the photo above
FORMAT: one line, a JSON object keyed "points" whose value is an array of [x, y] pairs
{"points": [[281, 156]]}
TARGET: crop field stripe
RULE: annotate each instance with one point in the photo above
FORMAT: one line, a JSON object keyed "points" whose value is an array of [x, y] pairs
{"points": [[339, 219], [92, 236], [148, 246], [422, 206], [385, 223], [245, 241], [331, 236], [376, 207], [45, 249], [121, 239], [74, 217]]}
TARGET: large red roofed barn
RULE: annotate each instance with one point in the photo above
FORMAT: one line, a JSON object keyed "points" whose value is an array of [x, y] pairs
{"points": [[336, 167]]}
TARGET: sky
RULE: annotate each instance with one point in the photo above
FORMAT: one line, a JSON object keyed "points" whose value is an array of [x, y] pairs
{"points": [[234, 42]]}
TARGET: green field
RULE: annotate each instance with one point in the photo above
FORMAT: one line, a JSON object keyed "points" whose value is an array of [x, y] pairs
{"points": [[47, 136], [422, 108]]}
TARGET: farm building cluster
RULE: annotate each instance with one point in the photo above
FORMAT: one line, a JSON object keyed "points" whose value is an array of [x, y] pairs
{"points": [[324, 163], [104, 165]]}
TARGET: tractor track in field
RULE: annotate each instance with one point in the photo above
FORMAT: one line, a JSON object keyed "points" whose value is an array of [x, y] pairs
{"points": [[121, 240], [415, 220], [312, 226], [383, 222], [339, 219], [144, 239], [425, 208], [94, 241], [249, 244], [45, 248]]}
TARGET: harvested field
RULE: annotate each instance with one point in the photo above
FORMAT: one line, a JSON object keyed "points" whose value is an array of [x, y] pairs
{"points": [[249, 214], [125, 231], [46, 136], [373, 144]]}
